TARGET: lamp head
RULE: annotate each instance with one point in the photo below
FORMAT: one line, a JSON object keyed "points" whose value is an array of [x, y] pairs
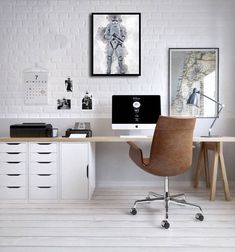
{"points": [[194, 98]]}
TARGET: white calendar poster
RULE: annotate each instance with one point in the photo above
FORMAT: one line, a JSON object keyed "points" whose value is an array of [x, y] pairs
{"points": [[36, 85]]}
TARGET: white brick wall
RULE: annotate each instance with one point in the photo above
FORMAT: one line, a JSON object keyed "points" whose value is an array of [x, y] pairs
{"points": [[55, 34]]}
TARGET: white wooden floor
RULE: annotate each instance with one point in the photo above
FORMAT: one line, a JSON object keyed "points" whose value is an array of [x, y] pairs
{"points": [[104, 224]]}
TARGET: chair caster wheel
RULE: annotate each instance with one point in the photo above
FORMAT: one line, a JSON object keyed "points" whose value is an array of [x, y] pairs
{"points": [[133, 211], [199, 217], [165, 224]]}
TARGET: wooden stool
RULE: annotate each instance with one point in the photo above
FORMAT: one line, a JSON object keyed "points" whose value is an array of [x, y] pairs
{"points": [[217, 148]]}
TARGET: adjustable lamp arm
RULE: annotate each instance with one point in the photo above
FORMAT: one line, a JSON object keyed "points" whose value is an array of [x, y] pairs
{"points": [[210, 98], [221, 107]]}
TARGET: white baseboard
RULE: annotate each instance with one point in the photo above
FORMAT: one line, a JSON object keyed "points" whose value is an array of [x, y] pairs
{"points": [[140, 183], [158, 183]]}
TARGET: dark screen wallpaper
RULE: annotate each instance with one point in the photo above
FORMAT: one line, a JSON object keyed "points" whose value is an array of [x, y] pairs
{"points": [[139, 109]]}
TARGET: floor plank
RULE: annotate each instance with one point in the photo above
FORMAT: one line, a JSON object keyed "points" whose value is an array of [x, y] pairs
{"points": [[105, 224]]}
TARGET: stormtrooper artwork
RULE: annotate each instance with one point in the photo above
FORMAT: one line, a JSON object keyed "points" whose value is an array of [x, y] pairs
{"points": [[115, 35], [115, 44]]}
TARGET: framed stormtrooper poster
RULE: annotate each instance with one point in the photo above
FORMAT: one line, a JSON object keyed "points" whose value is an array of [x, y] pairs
{"points": [[116, 44]]}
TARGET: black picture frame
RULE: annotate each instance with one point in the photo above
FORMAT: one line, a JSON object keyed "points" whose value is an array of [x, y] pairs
{"points": [[116, 44], [193, 68]]}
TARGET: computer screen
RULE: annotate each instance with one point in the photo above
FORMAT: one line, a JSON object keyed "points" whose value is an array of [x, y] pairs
{"points": [[135, 111]]}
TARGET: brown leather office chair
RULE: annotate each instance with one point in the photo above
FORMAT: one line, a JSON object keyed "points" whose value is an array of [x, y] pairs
{"points": [[170, 155]]}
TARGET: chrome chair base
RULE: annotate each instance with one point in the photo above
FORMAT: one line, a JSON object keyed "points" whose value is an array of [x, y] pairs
{"points": [[167, 198]]}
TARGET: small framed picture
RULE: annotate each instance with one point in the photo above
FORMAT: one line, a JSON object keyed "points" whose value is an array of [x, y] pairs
{"points": [[193, 69], [116, 44], [87, 101], [63, 104], [68, 85]]}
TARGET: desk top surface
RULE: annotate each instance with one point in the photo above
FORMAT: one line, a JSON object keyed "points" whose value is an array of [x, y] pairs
{"points": [[105, 139]]}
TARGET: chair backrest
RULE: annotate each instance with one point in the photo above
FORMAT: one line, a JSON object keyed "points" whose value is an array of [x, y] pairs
{"points": [[171, 150]]}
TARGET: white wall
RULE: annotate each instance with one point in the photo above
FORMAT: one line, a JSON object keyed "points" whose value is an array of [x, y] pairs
{"points": [[56, 35]]}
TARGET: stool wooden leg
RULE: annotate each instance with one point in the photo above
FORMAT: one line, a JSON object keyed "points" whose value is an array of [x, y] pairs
{"points": [[214, 174], [224, 175], [198, 167], [207, 172]]}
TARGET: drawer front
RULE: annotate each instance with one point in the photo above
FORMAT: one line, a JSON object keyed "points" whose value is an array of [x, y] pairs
{"points": [[43, 147], [43, 157], [12, 192], [13, 147], [13, 180], [43, 180], [43, 167], [13, 167], [12, 156], [43, 192]]}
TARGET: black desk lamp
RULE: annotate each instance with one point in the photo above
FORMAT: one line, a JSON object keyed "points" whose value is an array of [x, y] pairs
{"points": [[194, 100]]}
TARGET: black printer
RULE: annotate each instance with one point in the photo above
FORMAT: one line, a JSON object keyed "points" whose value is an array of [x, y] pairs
{"points": [[31, 130]]}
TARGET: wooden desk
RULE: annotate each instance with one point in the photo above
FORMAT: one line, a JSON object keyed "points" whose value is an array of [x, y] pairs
{"points": [[207, 143], [94, 139]]}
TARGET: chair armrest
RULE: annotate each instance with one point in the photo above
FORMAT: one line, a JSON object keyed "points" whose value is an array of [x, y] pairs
{"points": [[136, 154]]}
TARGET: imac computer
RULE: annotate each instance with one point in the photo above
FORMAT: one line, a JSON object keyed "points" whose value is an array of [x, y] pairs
{"points": [[131, 112]]}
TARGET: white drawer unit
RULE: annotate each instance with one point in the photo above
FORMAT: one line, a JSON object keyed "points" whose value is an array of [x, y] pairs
{"points": [[13, 180], [13, 170], [43, 180], [43, 147], [43, 157], [43, 186], [13, 193], [43, 171], [43, 167], [13, 167], [43, 193], [12, 156], [13, 147]]}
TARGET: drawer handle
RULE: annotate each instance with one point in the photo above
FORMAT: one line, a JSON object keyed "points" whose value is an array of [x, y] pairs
{"points": [[13, 153], [13, 187], [43, 162], [44, 153], [13, 162], [44, 143], [44, 186], [13, 175], [13, 143], [44, 174]]}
